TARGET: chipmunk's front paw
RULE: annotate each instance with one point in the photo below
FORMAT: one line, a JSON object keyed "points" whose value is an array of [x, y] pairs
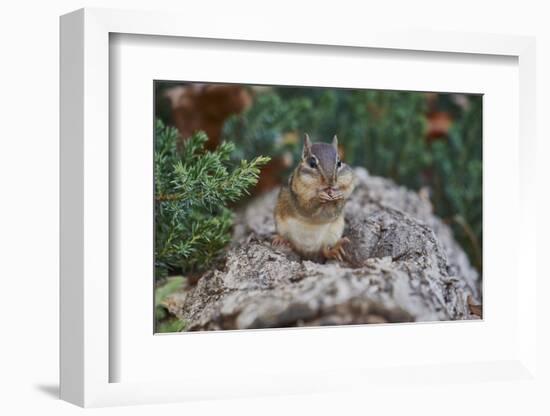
{"points": [[337, 250], [330, 196], [279, 241]]}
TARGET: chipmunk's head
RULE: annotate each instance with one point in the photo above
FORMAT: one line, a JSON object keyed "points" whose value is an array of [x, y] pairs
{"points": [[322, 171]]}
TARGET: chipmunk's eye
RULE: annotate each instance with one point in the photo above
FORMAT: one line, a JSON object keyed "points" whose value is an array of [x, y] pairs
{"points": [[339, 164], [312, 162]]}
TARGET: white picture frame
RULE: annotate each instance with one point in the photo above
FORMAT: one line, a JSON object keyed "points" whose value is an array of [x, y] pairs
{"points": [[86, 356]]}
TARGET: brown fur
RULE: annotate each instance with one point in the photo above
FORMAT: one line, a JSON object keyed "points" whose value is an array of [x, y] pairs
{"points": [[309, 210]]}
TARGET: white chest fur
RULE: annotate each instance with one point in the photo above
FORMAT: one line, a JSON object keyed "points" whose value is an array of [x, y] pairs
{"points": [[311, 238]]}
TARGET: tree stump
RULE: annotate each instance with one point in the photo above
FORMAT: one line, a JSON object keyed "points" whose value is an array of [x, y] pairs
{"points": [[403, 265]]}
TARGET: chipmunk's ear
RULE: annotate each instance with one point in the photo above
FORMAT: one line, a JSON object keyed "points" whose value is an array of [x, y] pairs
{"points": [[306, 151], [335, 143]]}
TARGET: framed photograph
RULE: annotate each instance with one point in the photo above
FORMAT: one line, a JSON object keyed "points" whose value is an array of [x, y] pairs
{"points": [[274, 212], [259, 226]]}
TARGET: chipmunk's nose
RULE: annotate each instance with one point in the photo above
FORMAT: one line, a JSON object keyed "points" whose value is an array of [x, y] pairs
{"points": [[329, 183], [330, 190]]}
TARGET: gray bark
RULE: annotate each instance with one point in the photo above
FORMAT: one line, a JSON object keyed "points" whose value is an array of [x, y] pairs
{"points": [[403, 265]]}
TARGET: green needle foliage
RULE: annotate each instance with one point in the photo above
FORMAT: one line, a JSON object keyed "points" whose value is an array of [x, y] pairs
{"points": [[193, 189]]}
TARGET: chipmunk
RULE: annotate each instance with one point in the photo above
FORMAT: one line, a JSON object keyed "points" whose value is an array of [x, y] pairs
{"points": [[309, 214]]}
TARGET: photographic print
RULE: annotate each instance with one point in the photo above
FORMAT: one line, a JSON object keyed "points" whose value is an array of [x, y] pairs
{"points": [[282, 206]]}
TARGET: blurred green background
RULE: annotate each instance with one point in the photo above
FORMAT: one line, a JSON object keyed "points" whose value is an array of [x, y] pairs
{"points": [[420, 140], [424, 141]]}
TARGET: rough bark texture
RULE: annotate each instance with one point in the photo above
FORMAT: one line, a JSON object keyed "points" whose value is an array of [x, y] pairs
{"points": [[403, 265]]}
